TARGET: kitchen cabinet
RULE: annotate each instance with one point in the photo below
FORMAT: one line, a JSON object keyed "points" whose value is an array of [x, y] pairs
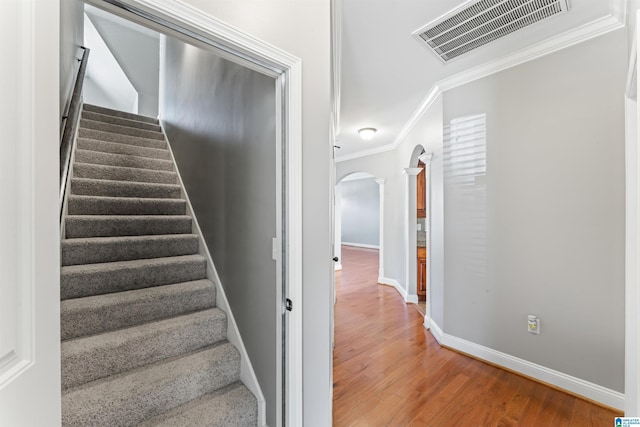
{"points": [[421, 202], [421, 284]]}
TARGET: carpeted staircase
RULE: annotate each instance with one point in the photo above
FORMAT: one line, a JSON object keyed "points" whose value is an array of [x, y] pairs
{"points": [[142, 340]]}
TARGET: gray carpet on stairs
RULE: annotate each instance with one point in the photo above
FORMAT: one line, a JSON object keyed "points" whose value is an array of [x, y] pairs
{"points": [[143, 342]]}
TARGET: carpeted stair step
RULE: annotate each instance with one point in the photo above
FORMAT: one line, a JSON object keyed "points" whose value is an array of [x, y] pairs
{"points": [[101, 205], [110, 188], [77, 226], [94, 250], [125, 149], [120, 121], [233, 405], [118, 173], [77, 281], [124, 160], [122, 139], [132, 397], [123, 130], [116, 113], [90, 358], [108, 312]]}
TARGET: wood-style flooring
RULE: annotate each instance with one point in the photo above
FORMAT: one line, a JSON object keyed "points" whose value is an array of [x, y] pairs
{"points": [[390, 371]]}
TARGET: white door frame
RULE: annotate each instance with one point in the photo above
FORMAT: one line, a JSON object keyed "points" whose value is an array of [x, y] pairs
{"points": [[410, 240], [29, 217], [632, 249]]}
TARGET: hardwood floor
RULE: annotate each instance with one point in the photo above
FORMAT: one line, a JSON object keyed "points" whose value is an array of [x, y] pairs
{"points": [[390, 371]]}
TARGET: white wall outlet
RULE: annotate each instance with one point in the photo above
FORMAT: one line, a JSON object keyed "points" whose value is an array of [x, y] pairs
{"points": [[419, 226], [533, 324]]}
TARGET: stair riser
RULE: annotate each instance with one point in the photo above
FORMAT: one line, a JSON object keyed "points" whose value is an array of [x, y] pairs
{"points": [[120, 121], [123, 189], [94, 315], [124, 149], [131, 399], [109, 159], [122, 139], [116, 113], [88, 359], [82, 170], [122, 130], [232, 406], [82, 252], [125, 206], [82, 284], [76, 227]]}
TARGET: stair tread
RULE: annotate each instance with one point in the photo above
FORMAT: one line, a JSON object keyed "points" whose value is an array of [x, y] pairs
{"points": [[233, 405], [126, 265], [124, 239], [119, 138], [100, 313], [123, 167], [123, 121], [122, 148], [131, 199], [124, 183], [117, 113], [97, 356], [151, 163], [131, 397], [118, 129]]}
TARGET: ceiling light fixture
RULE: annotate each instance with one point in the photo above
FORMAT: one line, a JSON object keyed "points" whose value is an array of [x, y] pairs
{"points": [[367, 133]]}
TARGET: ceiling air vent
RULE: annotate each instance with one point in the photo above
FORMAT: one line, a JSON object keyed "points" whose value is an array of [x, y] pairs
{"points": [[481, 22]]}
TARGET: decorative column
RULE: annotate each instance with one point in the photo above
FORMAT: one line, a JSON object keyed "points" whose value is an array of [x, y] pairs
{"points": [[380, 182], [426, 159], [410, 234]]}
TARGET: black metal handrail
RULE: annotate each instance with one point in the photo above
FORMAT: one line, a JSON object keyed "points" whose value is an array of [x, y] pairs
{"points": [[70, 121]]}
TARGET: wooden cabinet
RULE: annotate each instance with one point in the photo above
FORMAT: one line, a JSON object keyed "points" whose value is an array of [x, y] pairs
{"points": [[421, 283], [421, 202]]}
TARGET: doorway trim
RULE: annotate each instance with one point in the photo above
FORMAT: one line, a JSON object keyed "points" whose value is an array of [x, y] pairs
{"points": [[196, 27], [410, 240], [426, 159]]}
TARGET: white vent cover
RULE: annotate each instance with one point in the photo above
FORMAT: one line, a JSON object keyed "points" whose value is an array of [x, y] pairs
{"points": [[481, 22]]}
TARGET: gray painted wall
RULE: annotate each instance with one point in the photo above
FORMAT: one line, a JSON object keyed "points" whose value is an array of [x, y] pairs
{"points": [[71, 38], [360, 210], [220, 120], [555, 213]]}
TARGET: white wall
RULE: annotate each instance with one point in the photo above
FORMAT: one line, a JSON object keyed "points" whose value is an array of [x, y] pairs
{"points": [[137, 51], [360, 211], [105, 83], [71, 38], [302, 28]]}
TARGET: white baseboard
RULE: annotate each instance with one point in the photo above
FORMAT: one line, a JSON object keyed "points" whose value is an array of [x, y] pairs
{"points": [[563, 381], [402, 291], [360, 245], [338, 266]]}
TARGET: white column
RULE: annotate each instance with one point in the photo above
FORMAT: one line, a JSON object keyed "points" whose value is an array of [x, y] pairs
{"points": [[426, 159], [380, 182], [410, 234], [337, 241]]}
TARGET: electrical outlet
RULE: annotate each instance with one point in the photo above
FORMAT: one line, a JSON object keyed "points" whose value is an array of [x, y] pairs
{"points": [[419, 226], [533, 324]]}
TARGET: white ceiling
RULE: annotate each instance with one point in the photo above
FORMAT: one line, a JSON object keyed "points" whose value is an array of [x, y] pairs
{"points": [[385, 73]]}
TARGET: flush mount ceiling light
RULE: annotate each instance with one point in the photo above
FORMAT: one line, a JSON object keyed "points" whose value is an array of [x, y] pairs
{"points": [[367, 133]]}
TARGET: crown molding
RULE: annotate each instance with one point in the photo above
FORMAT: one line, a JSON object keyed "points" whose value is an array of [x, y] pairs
{"points": [[599, 27]]}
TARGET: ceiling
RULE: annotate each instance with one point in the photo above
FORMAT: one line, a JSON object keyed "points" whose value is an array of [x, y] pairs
{"points": [[386, 74]]}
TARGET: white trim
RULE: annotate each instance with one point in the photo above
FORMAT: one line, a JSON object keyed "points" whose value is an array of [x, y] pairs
{"points": [[247, 374], [402, 291], [632, 239], [426, 159], [287, 70], [381, 182], [558, 379], [410, 237], [567, 39], [361, 245], [338, 267]]}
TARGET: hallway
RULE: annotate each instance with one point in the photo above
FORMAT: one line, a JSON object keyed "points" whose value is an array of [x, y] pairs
{"points": [[389, 370]]}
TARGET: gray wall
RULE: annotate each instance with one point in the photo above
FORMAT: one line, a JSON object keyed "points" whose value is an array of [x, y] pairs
{"points": [[360, 212], [71, 38], [554, 236], [220, 120]]}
